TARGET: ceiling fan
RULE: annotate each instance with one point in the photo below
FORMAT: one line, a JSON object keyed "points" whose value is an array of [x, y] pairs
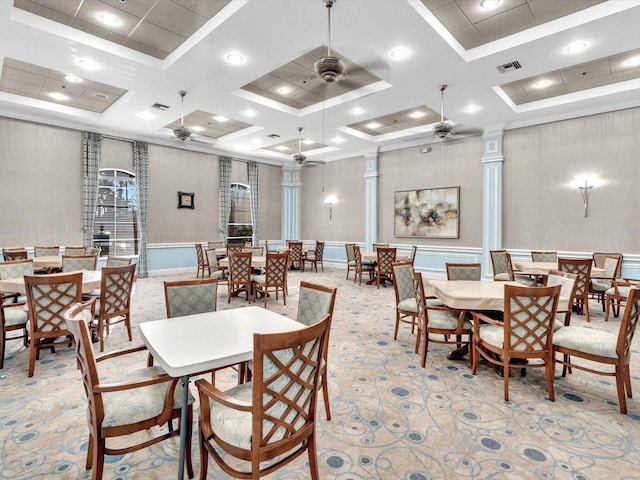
{"points": [[443, 130], [183, 132], [300, 158], [329, 68]]}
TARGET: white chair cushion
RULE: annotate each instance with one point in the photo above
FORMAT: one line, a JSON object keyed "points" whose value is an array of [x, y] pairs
{"points": [[529, 282], [501, 276], [587, 340], [622, 291], [434, 302], [130, 406], [233, 426], [218, 274], [261, 279], [493, 335], [600, 286], [408, 305], [15, 316], [444, 320]]}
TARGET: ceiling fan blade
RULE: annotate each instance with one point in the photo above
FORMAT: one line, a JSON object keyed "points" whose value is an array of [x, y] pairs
{"points": [[467, 131]]}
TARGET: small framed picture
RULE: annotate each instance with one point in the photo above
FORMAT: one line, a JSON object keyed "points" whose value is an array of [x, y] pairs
{"points": [[185, 200]]}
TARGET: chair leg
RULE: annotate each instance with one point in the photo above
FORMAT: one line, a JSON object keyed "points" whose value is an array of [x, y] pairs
{"points": [[313, 457], [98, 459], [607, 302], [474, 356], [549, 374], [33, 353], [505, 369], [620, 386], [325, 395], [204, 456], [425, 344], [627, 381], [395, 330]]}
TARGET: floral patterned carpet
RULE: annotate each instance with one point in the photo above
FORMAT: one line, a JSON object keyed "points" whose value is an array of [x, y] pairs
{"points": [[391, 419]]}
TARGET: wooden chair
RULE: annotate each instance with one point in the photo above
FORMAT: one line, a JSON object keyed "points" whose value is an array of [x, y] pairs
{"points": [[464, 271], [567, 282], [525, 333], [118, 261], [315, 256], [598, 286], [503, 269], [384, 268], [75, 251], [190, 297], [617, 294], [234, 247], [45, 251], [600, 257], [603, 348], [48, 297], [275, 276], [544, 256], [130, 402], [13, 317], [239, 274], [581, 267], [203, 265], [73, 263], [434, 318], [214, 245], [406, 306], [15, 269], [215, 270], [10, 254], [315, 303], [414, 253], [351, 257], [376, 246], [361, 267], [271, 419], [295, 255], [114, 306]]}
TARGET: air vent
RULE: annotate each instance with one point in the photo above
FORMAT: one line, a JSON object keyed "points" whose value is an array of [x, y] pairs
{"points": [[507, 67], [159, 106]]}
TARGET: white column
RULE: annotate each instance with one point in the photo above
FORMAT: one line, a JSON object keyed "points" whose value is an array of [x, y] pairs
{"points": [[291, 185], [371, 175], [492, 165]]}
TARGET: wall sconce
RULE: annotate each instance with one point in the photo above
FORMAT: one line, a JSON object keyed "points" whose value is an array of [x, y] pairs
{"points": [[585, 191], [330, 200]]}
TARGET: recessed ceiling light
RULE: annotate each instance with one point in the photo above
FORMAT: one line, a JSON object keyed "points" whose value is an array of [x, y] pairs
{"points": [[72, 78], [88, 64], [235, 58], [101, 96], [58, 96], [220, 118], [282, 148], [471, 109], [417, 114], [337, 139], [373, 125], [249, 113], [399, 53], [196, 128], [256, 141], [144, 115], [108, 19], [632, 62], [576, 47], [308, 142], [357, 111], [489, 4], [542, 84], [285, 90]]}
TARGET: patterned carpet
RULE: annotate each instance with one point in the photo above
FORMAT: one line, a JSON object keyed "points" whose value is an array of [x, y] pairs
{"points": [[392, 419]]}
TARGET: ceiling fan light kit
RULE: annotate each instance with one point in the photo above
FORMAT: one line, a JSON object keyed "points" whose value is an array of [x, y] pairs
{"points": [[182, 132]]}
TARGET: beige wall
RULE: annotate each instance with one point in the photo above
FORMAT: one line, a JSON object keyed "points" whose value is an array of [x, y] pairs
{"points": [[270, 217]]}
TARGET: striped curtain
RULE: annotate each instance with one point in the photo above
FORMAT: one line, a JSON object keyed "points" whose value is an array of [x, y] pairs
{"points": [[91, 155], [225, 196], [141, 169], [254, 183]]}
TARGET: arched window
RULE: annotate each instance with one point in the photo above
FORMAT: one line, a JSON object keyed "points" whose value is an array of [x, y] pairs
{"points": [[116, 229], [240, 221]]}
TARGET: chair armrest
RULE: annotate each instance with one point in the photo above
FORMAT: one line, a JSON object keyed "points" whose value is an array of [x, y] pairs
{"points": [[208, 391], [129, 385], [481, 316], [16, 304], [122, 351], [90, 304]]}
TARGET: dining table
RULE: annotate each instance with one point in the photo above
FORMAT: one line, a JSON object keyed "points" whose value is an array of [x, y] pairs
{"points": [[284, 249], [91, 280], [47, 261], [257, 261], [372, 257], [194, 344], [543, 268]]}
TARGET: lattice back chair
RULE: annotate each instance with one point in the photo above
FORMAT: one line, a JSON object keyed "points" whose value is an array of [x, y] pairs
{"points": [[15, 269], [315, 256], [45, 251], [218, 244], [464, 271], [203, 264], [351, 257], [132, 401], [272, 417], [234, 247], [602, 347], [14, 254], [275, 276], [73, 263], [567, 282], [75, 250], [48, 297], [315, 302], [406, 307], [581, 267], [361, 267], [118, 261], [600, 257], [598, 286], [190, 297], [216, 271], [116, 287], [386, 257], [526, 332], [376, 246], [617, 294], [13, 316], [239, 275], [544, 256], [296, 255], [434, 318], [414, 253], [502, 267]]}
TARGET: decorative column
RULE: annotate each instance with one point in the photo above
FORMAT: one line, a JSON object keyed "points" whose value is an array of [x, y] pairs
{"points": [[371, 175], [492, 165], [291, 184]]}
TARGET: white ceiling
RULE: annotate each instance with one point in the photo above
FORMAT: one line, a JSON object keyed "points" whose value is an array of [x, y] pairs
{"points": [[272, 33]]}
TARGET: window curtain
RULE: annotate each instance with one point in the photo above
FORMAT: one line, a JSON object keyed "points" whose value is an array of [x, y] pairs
{"points": [[254, 183], [224, 167], [141, 169], [91, 154]]}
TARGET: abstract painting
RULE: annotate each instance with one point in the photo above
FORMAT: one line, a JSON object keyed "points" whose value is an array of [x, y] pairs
{"points": [[430, 213]]}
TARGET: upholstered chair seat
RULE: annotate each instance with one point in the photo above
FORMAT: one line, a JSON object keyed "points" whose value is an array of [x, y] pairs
{"points": [[446, 320], [409, 305], [587, 340], [502, 277]]}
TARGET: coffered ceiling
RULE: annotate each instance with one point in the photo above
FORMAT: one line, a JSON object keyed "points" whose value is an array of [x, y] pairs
{"points": [[247, 67]]}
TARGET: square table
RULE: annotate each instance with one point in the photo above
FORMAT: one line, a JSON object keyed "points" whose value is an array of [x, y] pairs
{"points": [[91, 280], [193, 344], [542, 268]]}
